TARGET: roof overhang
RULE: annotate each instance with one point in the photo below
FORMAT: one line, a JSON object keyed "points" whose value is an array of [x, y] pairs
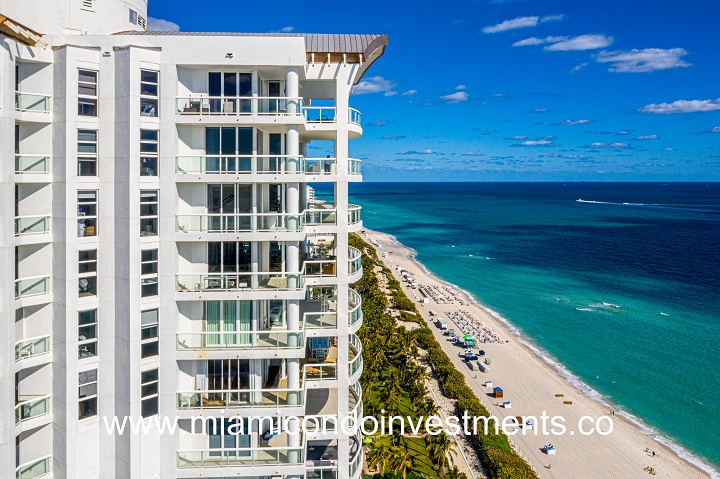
{"points": [[19, 32]]}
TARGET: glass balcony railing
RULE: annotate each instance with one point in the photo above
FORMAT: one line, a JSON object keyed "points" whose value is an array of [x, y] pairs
{"points": [[238, 223], [32, 164], [32, 225], [240, 340], [29, 348], [237, 106], [356, 362], [34, 286], [257, 456], [320, 216], [354, 166], [321, 473], [321, 268], [354, 116], [32, 408], [261, 164], [318, 371], [354, 307], [32, 102], [320, 320], [37, 468], [239, 282], [354, 214], [320, 114], [240, 398], [354, 261]]}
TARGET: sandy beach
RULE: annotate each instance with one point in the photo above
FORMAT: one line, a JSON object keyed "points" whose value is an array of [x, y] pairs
{"points": [[532, 387]]}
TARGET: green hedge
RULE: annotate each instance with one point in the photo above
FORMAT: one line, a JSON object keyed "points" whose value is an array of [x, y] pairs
{"points": [[496, 454]]}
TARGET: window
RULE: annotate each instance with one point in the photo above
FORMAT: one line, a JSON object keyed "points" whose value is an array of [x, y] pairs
{"points": [[87, 394], [133, 17], [87, 150], [148, 213], [149, 93], [149, 381], [149, 272], [87, 334], [149, 333], [87, 273], [149, 152], [87, 213], [87, 92]]}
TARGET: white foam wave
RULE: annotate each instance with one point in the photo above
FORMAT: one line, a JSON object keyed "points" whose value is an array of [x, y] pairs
{"points": [[571, 378]]}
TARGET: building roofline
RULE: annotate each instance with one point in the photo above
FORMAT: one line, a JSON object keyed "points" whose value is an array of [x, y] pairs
{"points": [[19, 32]]}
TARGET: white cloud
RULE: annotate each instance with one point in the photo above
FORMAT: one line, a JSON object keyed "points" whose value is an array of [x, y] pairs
{"points": [[390, 93], [518, 137], [378, 123], [538, 41], [575, 122], [540, 110], [715, 129], [609, 145], [374, 84], [160, 25], [582, 42], [418, 152], [647, 137], [537, 143], [521, 22], [647, 60], [624, 132], [455, 97], [409, 92], [578, 68], [287, 29], [460, 87], [681, 106], [668, 149]]}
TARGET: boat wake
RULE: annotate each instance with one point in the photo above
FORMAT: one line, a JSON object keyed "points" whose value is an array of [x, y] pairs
{"points": [[697, 209]]}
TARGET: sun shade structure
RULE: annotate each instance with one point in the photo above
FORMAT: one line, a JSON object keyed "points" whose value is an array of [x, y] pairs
{"points": [[361, 49], [20, 33]]}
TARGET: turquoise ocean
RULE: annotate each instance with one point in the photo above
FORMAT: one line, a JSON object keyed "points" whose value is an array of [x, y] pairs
{"points": [[620, 291]]}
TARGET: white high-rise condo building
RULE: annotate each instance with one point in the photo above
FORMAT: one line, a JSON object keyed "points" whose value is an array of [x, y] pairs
{"points": [[158, 255]]}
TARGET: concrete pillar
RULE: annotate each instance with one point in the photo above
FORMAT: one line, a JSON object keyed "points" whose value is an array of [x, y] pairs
{"points": [[292, 90]]}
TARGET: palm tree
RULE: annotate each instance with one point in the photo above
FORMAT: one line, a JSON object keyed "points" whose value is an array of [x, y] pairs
{"points": [[454, 473], [427, 407], [439, 448], [379, 453], [401, 461]]}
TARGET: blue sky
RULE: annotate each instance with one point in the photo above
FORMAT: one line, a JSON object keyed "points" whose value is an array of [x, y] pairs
{"points": [[516, 90]]}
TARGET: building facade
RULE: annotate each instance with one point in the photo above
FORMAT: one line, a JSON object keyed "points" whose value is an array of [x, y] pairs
{"points": [[160, 259]]}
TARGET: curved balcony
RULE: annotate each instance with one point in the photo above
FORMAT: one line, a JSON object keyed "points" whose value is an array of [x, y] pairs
{"points": [[319, 216], [354, 310], [354, 117], [354, 218], [32, 347], [33, 165], [355, 270], [355, 365], [240, 399], [206, 106], [32, 225], [354, 168], [239, 223], [219, 282], [320, 114], [37, 468], [33, 286], [239, 340], [356, 466], [243, 457], [32, 408], [355, 402]]}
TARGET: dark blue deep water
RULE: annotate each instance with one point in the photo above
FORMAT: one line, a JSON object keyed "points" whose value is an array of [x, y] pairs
{"points": [[622, 289]]}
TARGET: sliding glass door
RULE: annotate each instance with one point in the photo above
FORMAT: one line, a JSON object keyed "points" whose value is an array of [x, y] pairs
{"points": [[229, 319], [230, 92], [228, 150]]}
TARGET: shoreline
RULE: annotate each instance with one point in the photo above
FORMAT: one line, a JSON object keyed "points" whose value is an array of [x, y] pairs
{"points": [[555, 367]]}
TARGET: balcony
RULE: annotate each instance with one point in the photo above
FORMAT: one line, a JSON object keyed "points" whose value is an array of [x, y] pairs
{"points": [[32, 347], [32, 225], [37, 468], [32, 408], [328, 319], [32, 102], [269, 165], [223, 107], [234, 282], [355, 270], [238, 223], [321, 216], [35, 165], [239, 340], [33, 286], [354, 218], [355, 365], [245, 457], [354, 117], [354, 309], [354, 167], [271, 398]]}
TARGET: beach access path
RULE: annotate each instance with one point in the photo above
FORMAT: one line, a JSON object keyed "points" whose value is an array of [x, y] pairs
{"points": [[531, 386]]}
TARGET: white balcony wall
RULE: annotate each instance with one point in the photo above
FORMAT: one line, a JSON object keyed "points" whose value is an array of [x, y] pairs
{"points": [[34, 199], [34, 382], [191, 140], [190, 315], [320, 89], [35, 78], [33, 321], [192, 198], [34, 444], [192, 258], [35, 139], [34, 260]]}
